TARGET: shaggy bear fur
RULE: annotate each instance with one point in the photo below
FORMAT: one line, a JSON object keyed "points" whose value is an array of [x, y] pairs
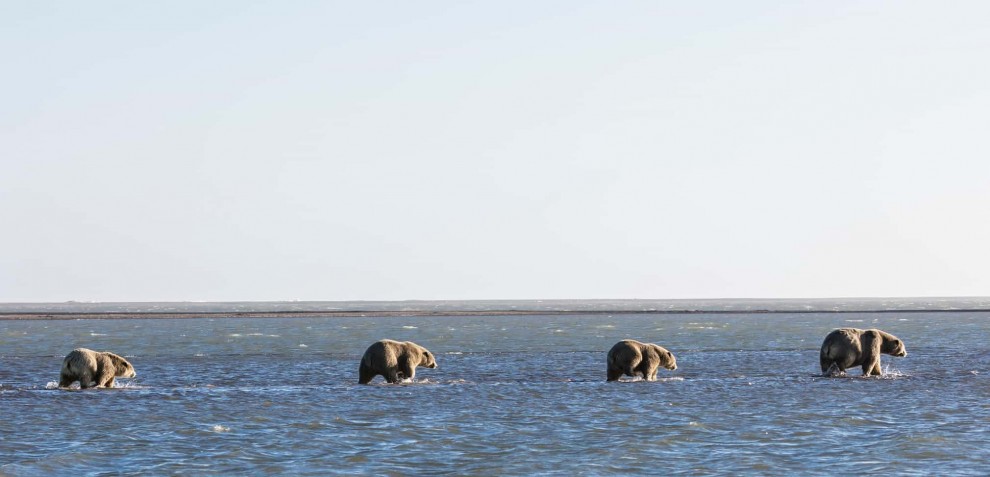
{"points": [[632, 358], [845, 348], [395, 360], [94, 369]]}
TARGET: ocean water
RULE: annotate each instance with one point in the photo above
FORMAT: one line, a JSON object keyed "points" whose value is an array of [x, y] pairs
{"points": [[513, 395]]}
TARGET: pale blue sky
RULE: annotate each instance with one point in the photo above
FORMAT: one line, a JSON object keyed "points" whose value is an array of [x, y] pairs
{"points": [[235, 150]]}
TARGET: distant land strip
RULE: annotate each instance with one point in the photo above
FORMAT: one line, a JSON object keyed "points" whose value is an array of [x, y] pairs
{"points": [[452, 313]]}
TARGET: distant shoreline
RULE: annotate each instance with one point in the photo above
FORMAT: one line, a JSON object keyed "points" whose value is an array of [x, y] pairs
{"points": [[13, 316]]}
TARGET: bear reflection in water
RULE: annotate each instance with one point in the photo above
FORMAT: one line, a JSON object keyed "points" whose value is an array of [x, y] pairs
{"points": [[845, 348], [395, 360]]}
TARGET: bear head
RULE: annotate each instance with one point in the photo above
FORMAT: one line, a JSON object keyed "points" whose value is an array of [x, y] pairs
{"points": [[668, 360], [892, 346], [123, 367], [426, 358]]}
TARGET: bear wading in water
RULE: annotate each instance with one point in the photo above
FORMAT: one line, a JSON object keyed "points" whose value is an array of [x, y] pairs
{"points": [[93, 369], [845, 348], [632, 358], [395, 360]]}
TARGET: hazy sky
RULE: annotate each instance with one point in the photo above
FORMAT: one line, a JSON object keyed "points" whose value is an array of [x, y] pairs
{"points": [[234, 150]]}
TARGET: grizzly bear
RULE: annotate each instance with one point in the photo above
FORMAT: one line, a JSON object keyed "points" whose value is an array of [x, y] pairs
{"points": [[395, 360], [845, 348], [630, 357], [93, 368]]}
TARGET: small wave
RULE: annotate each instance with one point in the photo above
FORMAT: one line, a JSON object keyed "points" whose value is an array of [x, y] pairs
{"points": [[639, 379], [131, 385], [97, 334], [891, 373], [410, 327], [219, 428], [303, 346], [854, 321], [454, 352]]}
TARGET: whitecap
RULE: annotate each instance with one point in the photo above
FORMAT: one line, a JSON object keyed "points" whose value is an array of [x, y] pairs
{"points": [[409, 327], [219, 428], [303, 346], [97, 334]]}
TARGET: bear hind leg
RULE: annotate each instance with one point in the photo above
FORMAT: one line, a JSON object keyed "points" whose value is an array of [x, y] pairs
{"points": [[832, 369], [613, 374], [365, 374]]}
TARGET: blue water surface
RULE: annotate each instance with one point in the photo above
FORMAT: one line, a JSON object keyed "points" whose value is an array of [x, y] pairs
{"points": [[513, 395]]}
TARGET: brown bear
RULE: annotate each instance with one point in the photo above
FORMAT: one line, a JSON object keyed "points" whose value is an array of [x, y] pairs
{"points": [[845, 348], [630, 357], [93, 368], [395, 360]]}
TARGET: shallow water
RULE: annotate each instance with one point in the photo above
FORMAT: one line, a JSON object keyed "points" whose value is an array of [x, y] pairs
{"points": [[512, 395]]}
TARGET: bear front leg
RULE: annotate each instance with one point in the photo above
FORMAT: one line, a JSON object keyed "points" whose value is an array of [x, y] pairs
{"points": [[392, 376], [877, 370], [645, 369], [65, 381], [871, 368], [105, 371], [653, 374], [407, 369]]}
